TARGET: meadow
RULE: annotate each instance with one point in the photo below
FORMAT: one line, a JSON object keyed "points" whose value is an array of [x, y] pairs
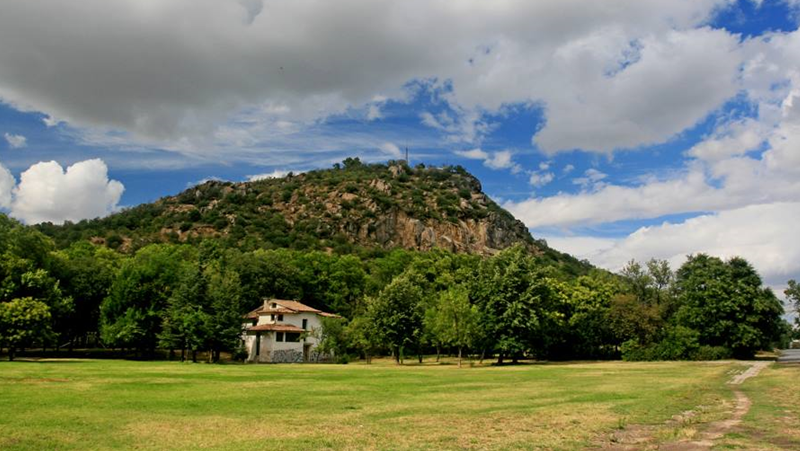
{"points": [[115, 404]]}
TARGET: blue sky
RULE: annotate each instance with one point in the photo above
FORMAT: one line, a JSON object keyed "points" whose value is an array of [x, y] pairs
{"points": [[615, 130]]}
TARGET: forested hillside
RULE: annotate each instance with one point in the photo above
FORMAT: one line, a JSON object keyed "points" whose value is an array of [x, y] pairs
{"points": [[351, 208]]}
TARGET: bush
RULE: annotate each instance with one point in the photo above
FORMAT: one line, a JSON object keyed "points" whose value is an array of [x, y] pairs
{"points": [[712, 353]]}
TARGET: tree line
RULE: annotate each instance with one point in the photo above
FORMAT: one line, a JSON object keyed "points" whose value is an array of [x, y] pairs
{"points": [[510, 306]]}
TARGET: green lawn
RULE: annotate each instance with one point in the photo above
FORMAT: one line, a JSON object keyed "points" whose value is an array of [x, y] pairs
{"points": [[94, 404]]}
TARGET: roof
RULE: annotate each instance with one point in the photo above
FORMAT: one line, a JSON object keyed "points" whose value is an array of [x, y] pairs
{"points": [[294, 305], [285, 308], [275, 328], [273, 311]]}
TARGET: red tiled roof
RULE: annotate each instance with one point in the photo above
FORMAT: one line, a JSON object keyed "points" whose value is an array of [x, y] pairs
{"points": [[294, 305], [273, 311], [329, 315], [284, 308], [275, 328]]}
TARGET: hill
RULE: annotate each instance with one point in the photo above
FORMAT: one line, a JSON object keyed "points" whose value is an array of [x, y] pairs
{"points": [[348, 208]]}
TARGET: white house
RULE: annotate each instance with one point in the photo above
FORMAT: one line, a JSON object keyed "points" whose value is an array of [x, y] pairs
{"points": [[282, 332]]}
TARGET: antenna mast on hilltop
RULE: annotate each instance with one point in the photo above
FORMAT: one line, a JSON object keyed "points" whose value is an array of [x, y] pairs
{"points": [[407, 162]]}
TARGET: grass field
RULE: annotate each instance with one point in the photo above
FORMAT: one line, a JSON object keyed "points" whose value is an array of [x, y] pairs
{"points": [[773, 422], [96, 404]]}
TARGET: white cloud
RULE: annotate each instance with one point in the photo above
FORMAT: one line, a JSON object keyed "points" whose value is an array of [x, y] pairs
{"points": [[494, 160], [7, 183], [276, 174], [592, 178], [721, 178], [374, 113], [47, 192], [608, 75], [500, 160], [763, 234], [474, 154], [567, 169], [391, 149], [15, 141], [540, 179], [731, 139]]}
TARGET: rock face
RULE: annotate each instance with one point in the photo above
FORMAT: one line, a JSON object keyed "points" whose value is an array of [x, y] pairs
{"points": [[376, 205], [488, 235], [418, 209]]}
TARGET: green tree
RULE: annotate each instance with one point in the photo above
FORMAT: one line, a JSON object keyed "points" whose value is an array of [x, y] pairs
{"points": [[363, 334], [333, 338], [397, 315], [86, 272], [131, 314], [518, 304], [726, 303], [226, 309], [22, 322], [453, 320], [792, 293]]}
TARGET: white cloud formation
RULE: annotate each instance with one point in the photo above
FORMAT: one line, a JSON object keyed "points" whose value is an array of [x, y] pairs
{"points": [[15, 141], [276, 174], [722, 176], [494, 160], [47, 192], [391, 149], [763, 234], [7, 183], [540, 179], [609, 74]]}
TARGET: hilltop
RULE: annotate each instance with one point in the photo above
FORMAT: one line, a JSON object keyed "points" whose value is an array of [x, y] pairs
{"points": [[352, 206]]}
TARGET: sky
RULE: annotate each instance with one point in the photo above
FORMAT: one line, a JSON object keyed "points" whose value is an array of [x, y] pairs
{"points": [[615, 130]]}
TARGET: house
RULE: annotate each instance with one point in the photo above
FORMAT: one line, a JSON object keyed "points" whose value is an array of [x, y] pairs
{"points": [[282, 332]]}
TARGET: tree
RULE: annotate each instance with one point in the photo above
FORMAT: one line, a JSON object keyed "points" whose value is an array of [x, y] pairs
{"points": [[453, 320], [517, 302], [332, 337], [793, 295], [363, 334], [85, 272], [131, 314], [397, 316], [23, 321], [726, 303], [225, 309], [588, 303]]}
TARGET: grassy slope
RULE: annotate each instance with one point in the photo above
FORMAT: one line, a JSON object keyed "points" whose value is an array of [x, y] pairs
{"points": [[163, 405]]}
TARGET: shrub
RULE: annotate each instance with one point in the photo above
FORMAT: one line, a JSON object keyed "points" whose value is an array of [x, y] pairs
{"points": [[706, 352]]}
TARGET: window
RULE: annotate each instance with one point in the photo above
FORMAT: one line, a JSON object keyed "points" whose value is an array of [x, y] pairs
{"points": [[279, 336], [292, 337], [274, 305], [280, 317], [272, 317], [305, 324], [258, 344]]}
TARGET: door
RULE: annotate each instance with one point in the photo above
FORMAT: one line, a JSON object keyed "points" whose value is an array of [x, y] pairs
{"points": [[306, 352]]}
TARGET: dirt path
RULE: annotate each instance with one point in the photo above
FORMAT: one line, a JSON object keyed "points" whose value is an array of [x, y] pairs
{"points": [[641, 438]]}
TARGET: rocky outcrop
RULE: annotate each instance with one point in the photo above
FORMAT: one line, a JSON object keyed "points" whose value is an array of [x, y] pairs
{"points": [[374, 205]]}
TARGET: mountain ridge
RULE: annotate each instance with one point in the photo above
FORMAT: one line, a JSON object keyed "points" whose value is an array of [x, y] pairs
{"points": [[352, 205]]}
